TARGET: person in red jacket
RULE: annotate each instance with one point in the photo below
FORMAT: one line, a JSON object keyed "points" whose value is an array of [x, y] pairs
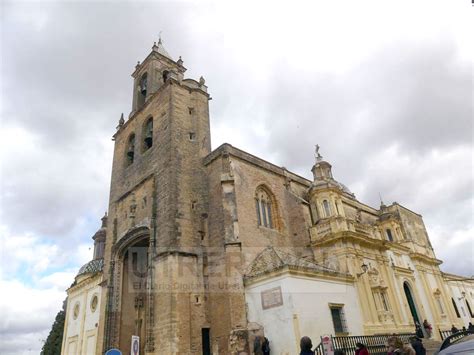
{"points": [[361, 349]]}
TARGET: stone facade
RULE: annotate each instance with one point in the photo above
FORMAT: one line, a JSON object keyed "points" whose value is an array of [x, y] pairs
{"points": [[204, 250]]}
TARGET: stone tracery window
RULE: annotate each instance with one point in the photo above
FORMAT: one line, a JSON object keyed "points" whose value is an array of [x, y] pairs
{"points": [[264, 208]]}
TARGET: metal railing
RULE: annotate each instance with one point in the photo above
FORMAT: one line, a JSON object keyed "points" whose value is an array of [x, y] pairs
{"points": [[376, 344], [319, 349], [446, 333], [453, 337]]}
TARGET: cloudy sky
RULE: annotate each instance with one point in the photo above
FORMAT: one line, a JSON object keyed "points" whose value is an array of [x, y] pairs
{"points": [[383, 87]]}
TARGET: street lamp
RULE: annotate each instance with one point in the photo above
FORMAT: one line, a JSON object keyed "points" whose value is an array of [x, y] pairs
{"points": [[364, 268]]}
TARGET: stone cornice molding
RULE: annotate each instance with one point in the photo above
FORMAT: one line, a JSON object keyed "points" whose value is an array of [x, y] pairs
{"points": [[256, 161], [350, 236], [86, 283], [425, 259], [287, 270]]}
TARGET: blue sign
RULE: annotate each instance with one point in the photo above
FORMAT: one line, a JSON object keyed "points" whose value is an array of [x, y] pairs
{"points": [[113, 352]]}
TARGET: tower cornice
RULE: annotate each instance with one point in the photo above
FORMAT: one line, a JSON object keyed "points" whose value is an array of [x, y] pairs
{"points": [[155, 55]]}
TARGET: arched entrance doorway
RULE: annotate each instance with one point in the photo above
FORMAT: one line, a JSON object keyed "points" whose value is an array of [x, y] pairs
{"points": [[411, 303], [134, 294]]}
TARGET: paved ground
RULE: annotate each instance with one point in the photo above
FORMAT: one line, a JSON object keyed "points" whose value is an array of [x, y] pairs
{"points": [[431, 346]]}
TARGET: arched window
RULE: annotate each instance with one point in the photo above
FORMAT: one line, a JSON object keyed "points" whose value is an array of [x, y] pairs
{"points": [[456, 308], [142, 90], [327, 208], [264, 208], [148, 134], [388, 231], [130, 155]]}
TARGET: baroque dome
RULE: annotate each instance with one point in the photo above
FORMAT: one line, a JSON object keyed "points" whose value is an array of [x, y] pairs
{"points": [[93, 266]]}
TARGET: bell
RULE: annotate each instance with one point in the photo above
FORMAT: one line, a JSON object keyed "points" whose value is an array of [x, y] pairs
{"points": [[149, 141]]}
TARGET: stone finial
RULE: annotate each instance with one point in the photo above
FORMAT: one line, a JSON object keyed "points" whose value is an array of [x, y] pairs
{"points": [[155, 47], [201, 81], [381, 201], [317, 156], [138, 65], [180, 61], [104, 220], [121, 121]]}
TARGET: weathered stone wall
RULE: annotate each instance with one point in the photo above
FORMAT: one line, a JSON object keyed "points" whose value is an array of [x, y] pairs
{"points": [[168, 182], [235, 238], [291, 217]]}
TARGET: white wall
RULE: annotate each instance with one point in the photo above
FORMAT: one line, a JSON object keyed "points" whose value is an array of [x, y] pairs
{"points": [[457, 289], [305, 310], [81, 333]]}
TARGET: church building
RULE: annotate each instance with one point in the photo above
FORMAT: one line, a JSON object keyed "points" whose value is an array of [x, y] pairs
{"points": [[203, 250]]}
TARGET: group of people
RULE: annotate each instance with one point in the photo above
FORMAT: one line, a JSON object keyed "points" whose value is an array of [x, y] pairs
{"points": [[470, 328], [426, 326], [395, 347], [413, 347]]}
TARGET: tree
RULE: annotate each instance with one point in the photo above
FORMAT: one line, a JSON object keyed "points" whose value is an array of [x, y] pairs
{"points": [[52, 345]]}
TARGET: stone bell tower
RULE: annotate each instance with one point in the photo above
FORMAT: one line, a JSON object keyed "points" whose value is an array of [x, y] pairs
{"points": [[158, 198]]}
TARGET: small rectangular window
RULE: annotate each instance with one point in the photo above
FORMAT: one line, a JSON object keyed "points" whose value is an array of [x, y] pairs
{"points": [[206, 341], [338, 319], [192, 136], [389, 234]]}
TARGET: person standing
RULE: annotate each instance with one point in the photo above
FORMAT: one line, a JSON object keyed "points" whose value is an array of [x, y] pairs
{"points": [[470, 327], [417, 345], [265, 346], [395, 345], [306, 345], [419, 331], [428, 328], [454, 329], [361, 349], [257, 345], [408, 349]]}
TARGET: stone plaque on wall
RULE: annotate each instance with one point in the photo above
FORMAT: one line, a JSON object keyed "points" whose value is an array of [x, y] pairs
{"points": [[271, 298]]}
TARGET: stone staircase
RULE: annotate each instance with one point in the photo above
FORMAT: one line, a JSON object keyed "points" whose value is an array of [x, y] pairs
{"points": [[431, 346]]}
